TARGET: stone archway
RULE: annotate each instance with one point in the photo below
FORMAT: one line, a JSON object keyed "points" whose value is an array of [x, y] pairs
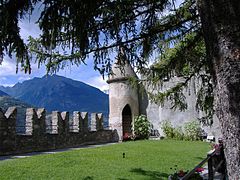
{"points": [[127, 120]]}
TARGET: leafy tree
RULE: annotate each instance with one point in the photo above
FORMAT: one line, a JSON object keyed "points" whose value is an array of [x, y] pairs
{"points": [[198, 38]]}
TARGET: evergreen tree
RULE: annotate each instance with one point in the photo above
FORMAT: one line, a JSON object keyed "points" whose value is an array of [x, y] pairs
{"points": [[197, 38]]}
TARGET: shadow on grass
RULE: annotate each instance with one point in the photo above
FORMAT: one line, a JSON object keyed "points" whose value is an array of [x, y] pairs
{"points": [[199, 158], [152, 175], [88, 178]]}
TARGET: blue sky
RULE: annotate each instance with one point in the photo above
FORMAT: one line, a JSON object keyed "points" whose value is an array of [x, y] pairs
{"points": [[84, 73]]}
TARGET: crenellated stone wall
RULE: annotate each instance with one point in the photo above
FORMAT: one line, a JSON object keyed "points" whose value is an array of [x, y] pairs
{"points": [[58, 131]]}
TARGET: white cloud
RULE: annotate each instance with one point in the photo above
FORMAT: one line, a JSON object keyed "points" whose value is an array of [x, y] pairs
{"points": [[23, 78], [29, 29], [3, 79], [7, 68], [7, 85], [99, 83]]}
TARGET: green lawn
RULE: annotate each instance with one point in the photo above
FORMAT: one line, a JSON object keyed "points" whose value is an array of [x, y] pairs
{"points": [[148, 160]]}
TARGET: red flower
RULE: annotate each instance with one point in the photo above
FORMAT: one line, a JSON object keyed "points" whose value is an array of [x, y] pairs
{"points": [[181, 173], [126, 136], [199, 169]]}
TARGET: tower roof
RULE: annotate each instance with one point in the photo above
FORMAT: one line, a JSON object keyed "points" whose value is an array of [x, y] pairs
{"points": [[121, 70]]}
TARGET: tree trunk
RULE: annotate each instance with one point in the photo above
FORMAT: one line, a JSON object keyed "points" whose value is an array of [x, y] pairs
{"points": [[221, 29]]}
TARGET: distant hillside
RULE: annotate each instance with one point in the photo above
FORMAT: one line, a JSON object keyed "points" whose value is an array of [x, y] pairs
{"points": [[60, 93], [3, 93], [8, 101]]}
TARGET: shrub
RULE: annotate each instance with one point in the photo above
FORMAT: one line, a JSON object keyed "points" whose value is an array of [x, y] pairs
{"points": [[178, 133], [168, 129], [189, 131], [141, 127], [192, 130]]}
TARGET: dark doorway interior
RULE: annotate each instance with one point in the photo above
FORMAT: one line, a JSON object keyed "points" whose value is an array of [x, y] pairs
{"points": [[127, 120]]}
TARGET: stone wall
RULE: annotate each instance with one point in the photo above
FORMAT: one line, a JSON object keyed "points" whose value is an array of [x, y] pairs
{"points": [[58, 131], [159, 113]]}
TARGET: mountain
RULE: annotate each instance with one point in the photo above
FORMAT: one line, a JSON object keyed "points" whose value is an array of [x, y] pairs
{"points": [[59, 93], [7, 101], [3, 93]]}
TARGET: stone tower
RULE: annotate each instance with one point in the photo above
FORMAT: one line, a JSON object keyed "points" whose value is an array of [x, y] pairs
{"points": [[123, 97]]}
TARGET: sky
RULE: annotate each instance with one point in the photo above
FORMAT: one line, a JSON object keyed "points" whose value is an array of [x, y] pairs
{"points": [[84, 73]]}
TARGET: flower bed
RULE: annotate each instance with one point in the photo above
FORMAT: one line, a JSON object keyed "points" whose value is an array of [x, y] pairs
{"points": [[181, 173]]}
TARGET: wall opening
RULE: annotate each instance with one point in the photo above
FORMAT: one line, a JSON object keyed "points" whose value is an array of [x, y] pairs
{"points": [[127, 120]]}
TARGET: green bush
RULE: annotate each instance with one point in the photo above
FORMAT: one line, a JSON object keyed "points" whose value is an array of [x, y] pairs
{"points": [[189, 131], [168, 129], [178, 133], [141, 127], [192, 130]]}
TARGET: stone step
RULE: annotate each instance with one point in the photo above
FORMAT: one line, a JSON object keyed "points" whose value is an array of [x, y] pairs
{"points": [[154, 138]]}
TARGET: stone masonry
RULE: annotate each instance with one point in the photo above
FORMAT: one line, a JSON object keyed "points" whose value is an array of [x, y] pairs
{"points": [[43, 134], [121, 95]]}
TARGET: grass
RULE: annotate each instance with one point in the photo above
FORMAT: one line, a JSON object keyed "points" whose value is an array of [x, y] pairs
{"points": [[148, 160]]}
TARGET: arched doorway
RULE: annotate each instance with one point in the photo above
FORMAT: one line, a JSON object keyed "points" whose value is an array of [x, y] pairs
{"points": [[127, 120]]}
